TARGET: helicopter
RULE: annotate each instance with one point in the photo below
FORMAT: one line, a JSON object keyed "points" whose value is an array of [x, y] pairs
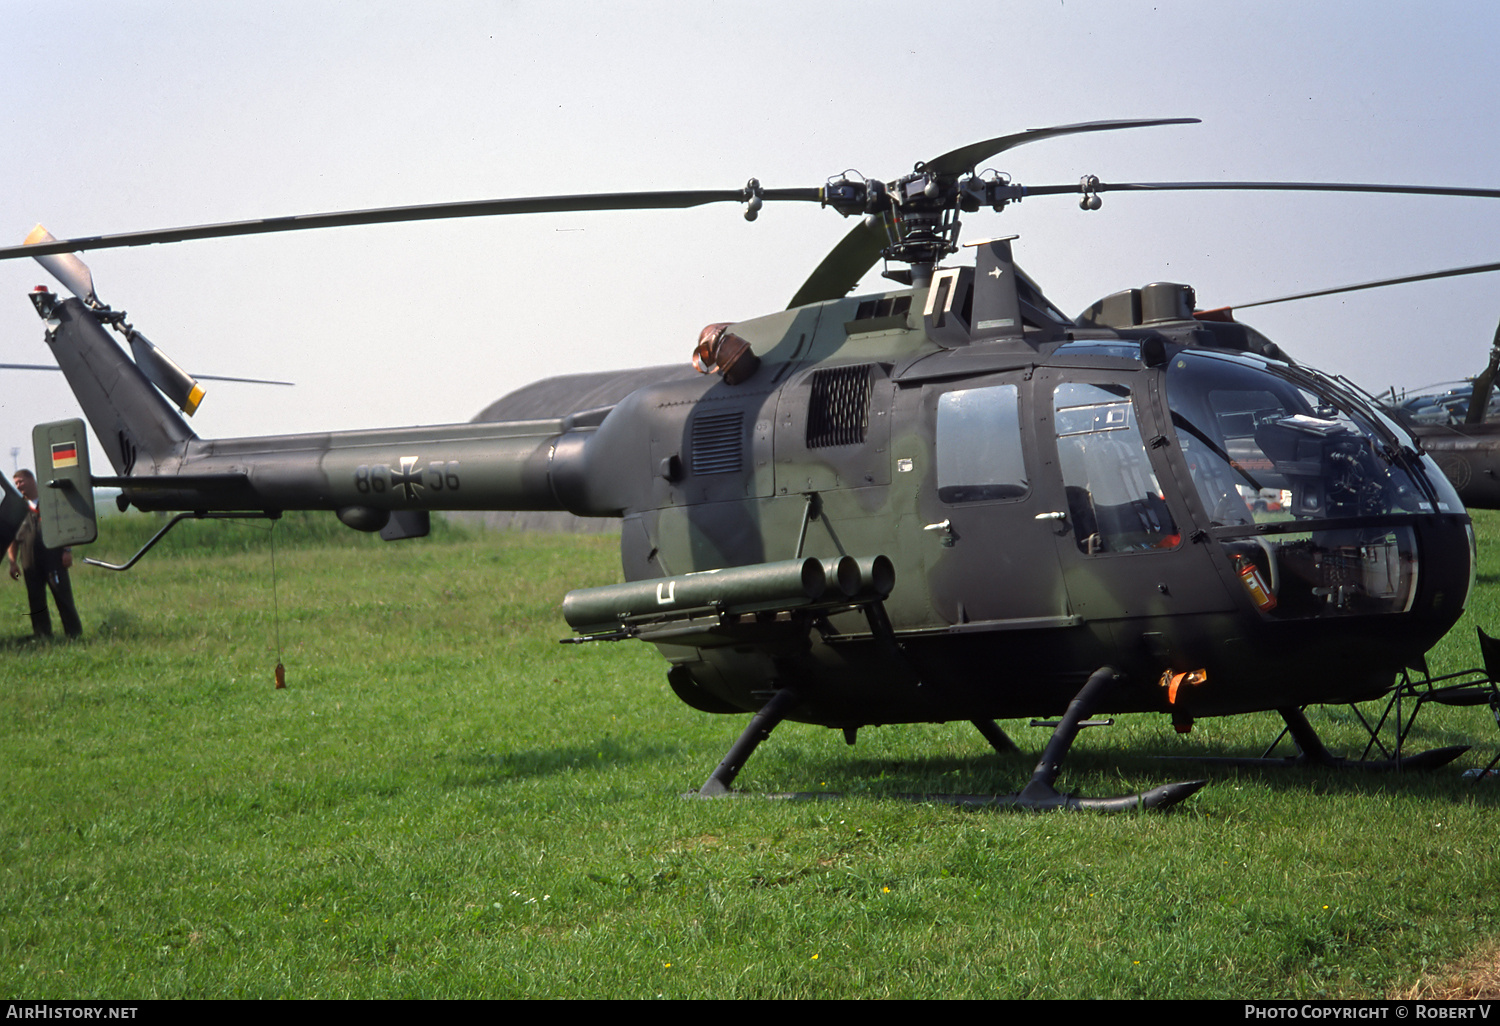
{"points": [[946, 500], [1467, 450]]}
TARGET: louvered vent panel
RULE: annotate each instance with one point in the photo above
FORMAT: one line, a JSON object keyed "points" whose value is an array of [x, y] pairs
{"points": [[718, 440], [840, 410]]}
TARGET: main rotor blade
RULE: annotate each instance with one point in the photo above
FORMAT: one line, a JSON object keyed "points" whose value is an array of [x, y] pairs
{"points": [[200, 377], [1450, 273], [844, 265], [956, 162], [426, 212], [1402, 190]]}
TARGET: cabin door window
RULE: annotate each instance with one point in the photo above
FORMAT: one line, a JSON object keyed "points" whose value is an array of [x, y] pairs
{"points": [[1115, 503]]}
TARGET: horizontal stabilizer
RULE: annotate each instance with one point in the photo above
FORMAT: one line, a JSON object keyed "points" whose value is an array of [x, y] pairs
{"points": [[175, 482]]}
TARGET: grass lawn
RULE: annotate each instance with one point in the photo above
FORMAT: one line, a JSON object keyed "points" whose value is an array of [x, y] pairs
{"points": [[444, 802]]}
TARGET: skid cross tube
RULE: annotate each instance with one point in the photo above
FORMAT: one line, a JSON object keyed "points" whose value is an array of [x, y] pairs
{"points": [[761, 725], [999, 740], [1040, 795]]}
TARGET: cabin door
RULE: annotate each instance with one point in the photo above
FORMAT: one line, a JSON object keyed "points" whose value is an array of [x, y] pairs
{"points": [[1119, 535], [987, 548]]}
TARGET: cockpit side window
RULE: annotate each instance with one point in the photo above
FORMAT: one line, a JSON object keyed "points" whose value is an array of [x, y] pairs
{"points": [[979, 453], [1114, 501]]}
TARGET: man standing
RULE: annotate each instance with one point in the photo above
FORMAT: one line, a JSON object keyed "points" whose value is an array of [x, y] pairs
{"points": [[42, 567]]}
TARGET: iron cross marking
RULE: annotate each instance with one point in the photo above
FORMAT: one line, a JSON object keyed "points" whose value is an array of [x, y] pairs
{"points": [[409, 479]]}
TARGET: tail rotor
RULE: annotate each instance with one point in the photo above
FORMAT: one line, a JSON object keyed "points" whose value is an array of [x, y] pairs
{"points": [[160, 369]]}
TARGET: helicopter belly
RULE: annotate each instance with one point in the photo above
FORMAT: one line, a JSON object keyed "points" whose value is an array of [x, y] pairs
{"points": [[933, 670], [999, 674]]}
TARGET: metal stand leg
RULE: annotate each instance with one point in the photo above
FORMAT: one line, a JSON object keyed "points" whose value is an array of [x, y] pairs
{"points": [[1312, 752], [1315, 753], [761, 725]]}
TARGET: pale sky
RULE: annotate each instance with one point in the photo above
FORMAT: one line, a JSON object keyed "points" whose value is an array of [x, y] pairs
{"points": [[132, 115]]}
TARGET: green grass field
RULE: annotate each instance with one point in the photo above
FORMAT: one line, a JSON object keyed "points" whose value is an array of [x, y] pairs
{"points": [[444, 802]]}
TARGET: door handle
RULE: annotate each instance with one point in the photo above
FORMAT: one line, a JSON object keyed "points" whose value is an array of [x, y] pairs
{"points": [[944, 530]]}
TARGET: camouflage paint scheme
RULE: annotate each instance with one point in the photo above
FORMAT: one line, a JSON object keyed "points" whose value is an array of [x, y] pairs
{"points": [[998, 608]]}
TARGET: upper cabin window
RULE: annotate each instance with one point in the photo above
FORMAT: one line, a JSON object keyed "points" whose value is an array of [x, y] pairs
{"points": [[979, 454], [1114, 501]]}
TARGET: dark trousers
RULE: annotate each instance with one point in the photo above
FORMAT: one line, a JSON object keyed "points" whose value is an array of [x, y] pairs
{"points": [[37, 584]]}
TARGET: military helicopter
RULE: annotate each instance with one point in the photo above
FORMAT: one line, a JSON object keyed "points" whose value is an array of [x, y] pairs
{"points": [[943, 501], [1467, 451]]}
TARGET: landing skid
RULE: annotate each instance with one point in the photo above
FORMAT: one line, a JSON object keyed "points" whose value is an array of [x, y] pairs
{"points": [[1415, 689], [1039, 795]]}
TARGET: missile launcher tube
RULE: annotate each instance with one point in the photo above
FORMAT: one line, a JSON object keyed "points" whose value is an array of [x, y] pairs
{"points": [[762, 587], [788, 584]]}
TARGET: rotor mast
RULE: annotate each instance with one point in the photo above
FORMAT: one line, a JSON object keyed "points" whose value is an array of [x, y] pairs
{"points": [[916, 216]]}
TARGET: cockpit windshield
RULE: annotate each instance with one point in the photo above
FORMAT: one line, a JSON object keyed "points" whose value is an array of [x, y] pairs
{"points": [[1263, 447], [1309, 494]]}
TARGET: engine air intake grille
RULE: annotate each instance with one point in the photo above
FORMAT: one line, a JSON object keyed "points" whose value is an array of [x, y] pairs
{"points": [[718, 441], [840, 410]]}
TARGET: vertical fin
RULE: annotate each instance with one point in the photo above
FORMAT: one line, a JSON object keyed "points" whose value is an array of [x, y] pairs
{"points": [[120, 403]]}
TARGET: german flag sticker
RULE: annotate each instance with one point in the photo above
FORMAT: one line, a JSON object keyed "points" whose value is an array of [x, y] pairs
{"points": [[64, 454]]}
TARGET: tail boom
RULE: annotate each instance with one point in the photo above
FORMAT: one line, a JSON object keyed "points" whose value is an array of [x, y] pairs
{"points": [[505, 466], [160, 464]]}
